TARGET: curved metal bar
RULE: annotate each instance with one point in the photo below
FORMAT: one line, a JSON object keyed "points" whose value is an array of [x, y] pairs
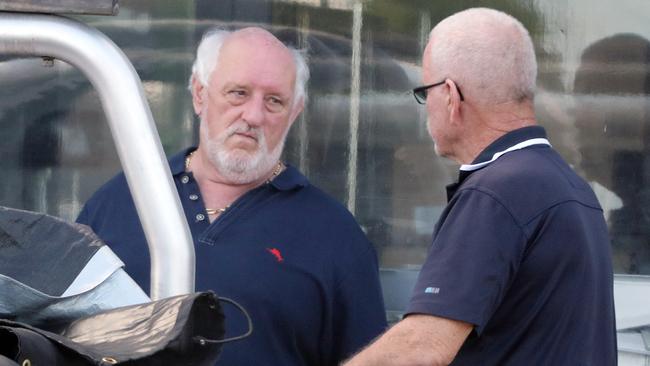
{"points": [[134, 132]]}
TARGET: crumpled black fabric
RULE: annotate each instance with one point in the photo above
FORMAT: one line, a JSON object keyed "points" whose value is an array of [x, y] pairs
{"points": [[43, 251], [175, 331]]}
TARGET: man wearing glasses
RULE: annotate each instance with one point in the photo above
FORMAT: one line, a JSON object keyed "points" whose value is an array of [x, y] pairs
{"points": [[519, 271]]}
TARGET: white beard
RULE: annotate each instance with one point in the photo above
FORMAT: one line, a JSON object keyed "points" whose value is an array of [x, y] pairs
{"points": [[239, 166]]}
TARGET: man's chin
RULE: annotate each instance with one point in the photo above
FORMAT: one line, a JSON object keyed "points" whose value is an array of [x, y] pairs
{"points": [[443, 153], [240, 154], [242, 170], [238, 141], [437, 150], [238, 159]]}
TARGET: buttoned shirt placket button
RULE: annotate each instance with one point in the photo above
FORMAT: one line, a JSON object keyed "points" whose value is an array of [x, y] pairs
{"points": [[200, 217], [185, 179], [194, 197]]}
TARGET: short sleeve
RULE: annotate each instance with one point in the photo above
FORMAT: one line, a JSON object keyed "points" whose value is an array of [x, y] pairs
{"points": [[473, 258]]}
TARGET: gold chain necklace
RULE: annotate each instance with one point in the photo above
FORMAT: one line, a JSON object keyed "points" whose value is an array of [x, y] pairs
{"points": [[188, 160], [217, 211]]}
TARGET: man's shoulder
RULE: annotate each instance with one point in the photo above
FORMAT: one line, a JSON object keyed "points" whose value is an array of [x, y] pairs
{"points": [[526, 164], [314, 198], [117, 187], [531, 180], [112, 198], [325, 215], [309, 195], [116, 184], [529, 170]]}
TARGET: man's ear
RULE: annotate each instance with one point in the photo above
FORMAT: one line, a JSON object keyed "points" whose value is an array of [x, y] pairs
{"points": [[198, 95], [453, 101]]}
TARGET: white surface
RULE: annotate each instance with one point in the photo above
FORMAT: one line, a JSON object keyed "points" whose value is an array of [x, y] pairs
{"points": [[98, 268], [632, 299]]}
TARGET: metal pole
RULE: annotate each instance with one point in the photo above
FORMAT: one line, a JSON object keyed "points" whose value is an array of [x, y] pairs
{"points": [[303, 132], [136, 138], [355, 95], [95, 7]]}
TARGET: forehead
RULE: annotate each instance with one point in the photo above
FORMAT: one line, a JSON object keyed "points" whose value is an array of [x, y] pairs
{"points": [[256, 62]]}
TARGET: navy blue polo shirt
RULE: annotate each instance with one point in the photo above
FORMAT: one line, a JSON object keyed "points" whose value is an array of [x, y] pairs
{"points": [[291, 255], [522, 252]]}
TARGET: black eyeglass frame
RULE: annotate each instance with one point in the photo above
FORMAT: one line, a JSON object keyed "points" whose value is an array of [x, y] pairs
{"points": [[420, 93]]}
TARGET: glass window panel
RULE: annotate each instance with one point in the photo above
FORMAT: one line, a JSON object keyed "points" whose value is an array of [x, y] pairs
{"points": [[362, 137], [593, 103]]}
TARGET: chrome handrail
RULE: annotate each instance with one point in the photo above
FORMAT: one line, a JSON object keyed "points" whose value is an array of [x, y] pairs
{"points": [[134, 132]]}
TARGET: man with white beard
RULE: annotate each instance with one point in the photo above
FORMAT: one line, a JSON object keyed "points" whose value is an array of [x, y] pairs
{"points": [[264, 236]]}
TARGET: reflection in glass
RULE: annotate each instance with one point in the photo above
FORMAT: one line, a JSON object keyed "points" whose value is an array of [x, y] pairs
{"points": [[361, 137], [612, 87], [57, 149]]}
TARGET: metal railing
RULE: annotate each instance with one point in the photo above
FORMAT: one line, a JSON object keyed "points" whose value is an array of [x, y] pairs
{"points": [[134, 132]]}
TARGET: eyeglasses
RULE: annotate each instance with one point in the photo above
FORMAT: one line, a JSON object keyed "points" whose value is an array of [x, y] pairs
{"points": [[420, 93]]}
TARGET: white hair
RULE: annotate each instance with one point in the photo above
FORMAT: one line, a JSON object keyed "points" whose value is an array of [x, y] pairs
{"points": [[488, 53], [207, 55]]}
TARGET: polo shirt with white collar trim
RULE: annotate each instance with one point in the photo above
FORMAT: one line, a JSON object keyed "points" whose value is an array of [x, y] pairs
{"points": [[522, 253]]}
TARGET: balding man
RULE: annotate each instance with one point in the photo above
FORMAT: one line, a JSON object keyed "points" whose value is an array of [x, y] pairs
{"points": [[519, 271], [291, 255]]}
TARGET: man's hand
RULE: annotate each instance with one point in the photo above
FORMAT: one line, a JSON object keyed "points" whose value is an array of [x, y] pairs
{"points": [[417, 340]]}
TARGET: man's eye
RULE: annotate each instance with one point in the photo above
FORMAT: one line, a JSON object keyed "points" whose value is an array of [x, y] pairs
{"points": [[236, 96], [237, 93], [275, 104]]}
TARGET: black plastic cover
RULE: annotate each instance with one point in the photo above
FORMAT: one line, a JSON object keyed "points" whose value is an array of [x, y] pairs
{"points": [[42, 251], [182, 330]]}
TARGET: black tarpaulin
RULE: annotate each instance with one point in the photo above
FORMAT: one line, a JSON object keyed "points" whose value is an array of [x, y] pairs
{"points": [[42, 251]]}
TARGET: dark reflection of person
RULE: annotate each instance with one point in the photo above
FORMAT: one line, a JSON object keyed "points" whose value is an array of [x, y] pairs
{"points": [[612, 110], [41, 152]]}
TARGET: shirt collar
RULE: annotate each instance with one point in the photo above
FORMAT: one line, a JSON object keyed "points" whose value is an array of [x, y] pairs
{"points": [[511, 141], [177, 161], [514, 140], [289, 179]]}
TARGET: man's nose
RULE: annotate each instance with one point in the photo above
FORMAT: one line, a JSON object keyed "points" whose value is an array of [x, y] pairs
{"points": [[254, 111]]}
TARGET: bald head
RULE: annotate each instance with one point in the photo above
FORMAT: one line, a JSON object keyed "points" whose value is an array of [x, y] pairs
{"points": [[258, 40], [258, 37], [487, 52]]}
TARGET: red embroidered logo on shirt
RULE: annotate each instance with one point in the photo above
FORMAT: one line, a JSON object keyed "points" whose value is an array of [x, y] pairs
{"points": [[276, 253]]}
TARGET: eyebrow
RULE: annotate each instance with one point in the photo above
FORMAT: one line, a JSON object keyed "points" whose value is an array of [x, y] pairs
{"points": [[283, 96], [235, 85]]}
